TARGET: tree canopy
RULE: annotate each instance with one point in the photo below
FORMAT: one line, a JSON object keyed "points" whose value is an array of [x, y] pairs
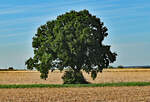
{"points": [[73, 40]]}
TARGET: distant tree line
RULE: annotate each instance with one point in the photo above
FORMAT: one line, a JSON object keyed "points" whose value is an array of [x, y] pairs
{"points": [[121, 66], [9, 69]]}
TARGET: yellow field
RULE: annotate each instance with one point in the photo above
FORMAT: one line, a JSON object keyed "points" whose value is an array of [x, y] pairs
{"points": [[108, 75], [91, 94], [97, 94]]}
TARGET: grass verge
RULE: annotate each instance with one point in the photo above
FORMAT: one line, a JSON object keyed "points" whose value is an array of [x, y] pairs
{"points": [[76, 85]]}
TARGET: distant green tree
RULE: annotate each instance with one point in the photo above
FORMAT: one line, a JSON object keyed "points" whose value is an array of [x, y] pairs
{"points": [[10, 68], [74, 41], [120, 66]]}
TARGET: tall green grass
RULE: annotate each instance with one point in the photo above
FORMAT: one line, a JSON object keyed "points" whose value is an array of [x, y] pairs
{"points": [[77, 85]]}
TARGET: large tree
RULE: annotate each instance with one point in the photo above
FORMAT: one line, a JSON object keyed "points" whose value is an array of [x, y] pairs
{"points": [[72, 41]]}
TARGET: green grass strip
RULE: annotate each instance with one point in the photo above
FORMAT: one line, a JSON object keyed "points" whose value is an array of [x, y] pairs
{"points": [[76, 85]]}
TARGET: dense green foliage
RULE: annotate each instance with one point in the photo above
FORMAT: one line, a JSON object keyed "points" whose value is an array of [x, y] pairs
{"points": [[70, 77], [77, 85], [10, 68], [73, 40]]}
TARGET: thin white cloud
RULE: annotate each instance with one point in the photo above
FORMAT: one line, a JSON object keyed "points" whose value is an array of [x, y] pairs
{"points": [[10, 9], [4, 12], [4, 5], [10, 35], [7, 35], [4, 30], [26, 20]]}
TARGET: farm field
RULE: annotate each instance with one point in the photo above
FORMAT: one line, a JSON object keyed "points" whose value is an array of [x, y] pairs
{"points": [[80, 94], [108, 76], [95, 94]]}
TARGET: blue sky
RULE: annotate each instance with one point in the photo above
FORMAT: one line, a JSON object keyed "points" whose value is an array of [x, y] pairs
{"points": [[128, 23]]}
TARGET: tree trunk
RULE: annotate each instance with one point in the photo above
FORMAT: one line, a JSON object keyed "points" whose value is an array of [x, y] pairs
{"points": [[74, 77]]}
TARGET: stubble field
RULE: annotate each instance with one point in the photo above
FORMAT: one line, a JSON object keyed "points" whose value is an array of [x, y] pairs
{"points": [[108, 76], [90, 94]]}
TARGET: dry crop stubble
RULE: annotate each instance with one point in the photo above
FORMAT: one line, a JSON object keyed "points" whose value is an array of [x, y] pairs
{"points": [[108, 75], [88, 94], [95, 94]]}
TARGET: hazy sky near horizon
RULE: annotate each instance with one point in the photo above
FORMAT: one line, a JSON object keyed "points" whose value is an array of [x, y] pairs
{"points": [[128, 23]]}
